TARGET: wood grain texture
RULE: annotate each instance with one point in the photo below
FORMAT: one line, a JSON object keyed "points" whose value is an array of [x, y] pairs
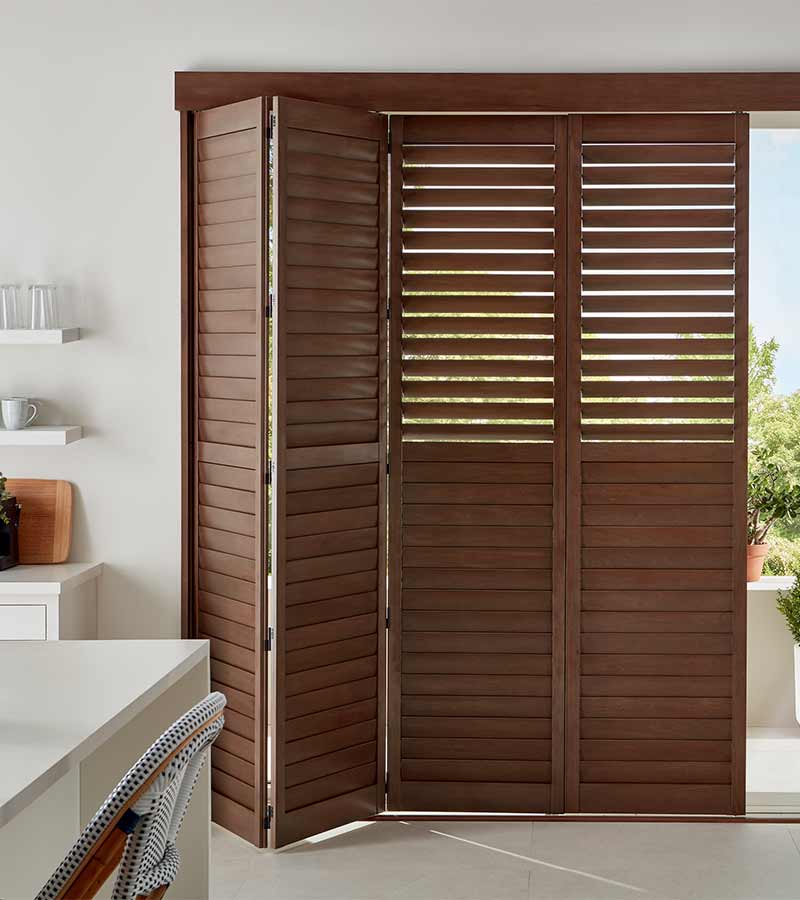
{"points": [[739, 510], [634, 525], [45, 525], [226, 345], [329, 420], [525, 92], [572, 556], [477, 510], [661, 541]]}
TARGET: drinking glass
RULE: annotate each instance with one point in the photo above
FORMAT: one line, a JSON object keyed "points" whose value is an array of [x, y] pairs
{"points": [[44, 306], [10, 310]]}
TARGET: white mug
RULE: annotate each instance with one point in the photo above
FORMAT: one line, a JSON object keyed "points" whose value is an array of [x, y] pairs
{"points": [[16, 412]]}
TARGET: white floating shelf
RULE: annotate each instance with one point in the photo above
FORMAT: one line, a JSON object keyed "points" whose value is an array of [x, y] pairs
{"points": [[39, 336], [41, 436]]}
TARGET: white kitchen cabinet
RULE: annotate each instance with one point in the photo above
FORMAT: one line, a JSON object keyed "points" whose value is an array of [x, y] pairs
{"points": [[50, 603]]}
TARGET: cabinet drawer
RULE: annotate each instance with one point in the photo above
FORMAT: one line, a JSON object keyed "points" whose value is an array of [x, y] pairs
{"points": [[23, 622]]}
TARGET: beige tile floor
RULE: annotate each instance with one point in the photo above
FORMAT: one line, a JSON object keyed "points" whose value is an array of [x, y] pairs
{"points": [[517, 861]]}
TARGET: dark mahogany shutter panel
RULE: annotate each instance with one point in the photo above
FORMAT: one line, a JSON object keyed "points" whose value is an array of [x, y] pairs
{"points": [[477, 455], [230, 426], [657, 464], [330, 453]]}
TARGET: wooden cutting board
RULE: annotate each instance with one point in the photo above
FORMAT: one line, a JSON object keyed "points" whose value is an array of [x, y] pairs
{"points": [[45, 526]]}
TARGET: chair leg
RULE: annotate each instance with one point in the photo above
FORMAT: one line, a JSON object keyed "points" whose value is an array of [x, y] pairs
{"points": [[99, 868]]}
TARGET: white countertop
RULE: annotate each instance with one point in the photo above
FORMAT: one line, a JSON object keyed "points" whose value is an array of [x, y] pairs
{"points": [[60, 700], [53, 579]]}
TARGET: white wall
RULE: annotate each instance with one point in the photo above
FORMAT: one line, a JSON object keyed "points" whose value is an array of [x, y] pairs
{"points": [[89, 199]]}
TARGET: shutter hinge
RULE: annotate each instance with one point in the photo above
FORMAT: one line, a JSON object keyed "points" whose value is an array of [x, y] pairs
{"points": [[268, 473], [388, 463], [268, 819], [269, 639], [388, 312], [268, 307], [388, 617]]}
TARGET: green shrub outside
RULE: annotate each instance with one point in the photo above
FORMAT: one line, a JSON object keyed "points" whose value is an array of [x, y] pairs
{"points": [[784, 556]]}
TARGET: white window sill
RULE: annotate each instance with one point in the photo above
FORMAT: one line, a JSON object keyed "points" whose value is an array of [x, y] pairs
{"points": [[771, 583]]}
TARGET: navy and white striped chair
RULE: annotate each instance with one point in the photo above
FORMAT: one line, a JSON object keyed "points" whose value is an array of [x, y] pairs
{"points": [[134, 830]]}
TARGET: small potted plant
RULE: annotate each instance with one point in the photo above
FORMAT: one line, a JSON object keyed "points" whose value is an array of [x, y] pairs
{"points": [[789, 605], [771, 497], [9, 527]]}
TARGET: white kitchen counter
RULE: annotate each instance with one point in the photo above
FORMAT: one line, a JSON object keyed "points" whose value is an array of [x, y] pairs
{"points": [[74, 715], [49, 602], [55, 579]]}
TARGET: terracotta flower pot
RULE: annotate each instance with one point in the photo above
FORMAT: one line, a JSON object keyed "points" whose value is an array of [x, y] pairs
{"points": [[756, 554]]}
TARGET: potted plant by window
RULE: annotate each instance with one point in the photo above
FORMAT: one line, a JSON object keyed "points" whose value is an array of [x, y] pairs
{"points": [[771, 497], [789, 605], [9, 527]]}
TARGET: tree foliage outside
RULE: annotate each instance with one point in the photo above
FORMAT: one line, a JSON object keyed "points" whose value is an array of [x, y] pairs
{"points": [[774, 438], [789, 605], [772, 497]]}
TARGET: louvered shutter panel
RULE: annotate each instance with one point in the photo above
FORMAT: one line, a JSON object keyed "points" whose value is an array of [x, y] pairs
{"points": [[657, 464], [229, 382], [329, 434], [476, 463]]}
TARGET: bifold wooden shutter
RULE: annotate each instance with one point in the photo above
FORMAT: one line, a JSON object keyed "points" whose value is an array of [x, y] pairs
{"points": [[657, 464], [229, 401], [329, 443], [566, 427], [476, 463]]}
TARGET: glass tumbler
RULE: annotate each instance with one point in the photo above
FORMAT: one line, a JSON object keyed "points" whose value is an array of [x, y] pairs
{"points": [[43, 306], [10, 309]]}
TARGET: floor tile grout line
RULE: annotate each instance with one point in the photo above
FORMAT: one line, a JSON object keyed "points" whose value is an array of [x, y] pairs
{"points": [[532, 879], [540, 862], [793, 839]]}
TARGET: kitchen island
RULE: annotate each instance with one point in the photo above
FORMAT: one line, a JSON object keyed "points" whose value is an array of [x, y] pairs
{"points": [[74, 716]]}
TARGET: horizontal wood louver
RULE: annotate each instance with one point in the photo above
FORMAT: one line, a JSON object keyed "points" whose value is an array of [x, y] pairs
{"points": [[655, 702], [474, 699], [330, 452], [230, 421]]}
